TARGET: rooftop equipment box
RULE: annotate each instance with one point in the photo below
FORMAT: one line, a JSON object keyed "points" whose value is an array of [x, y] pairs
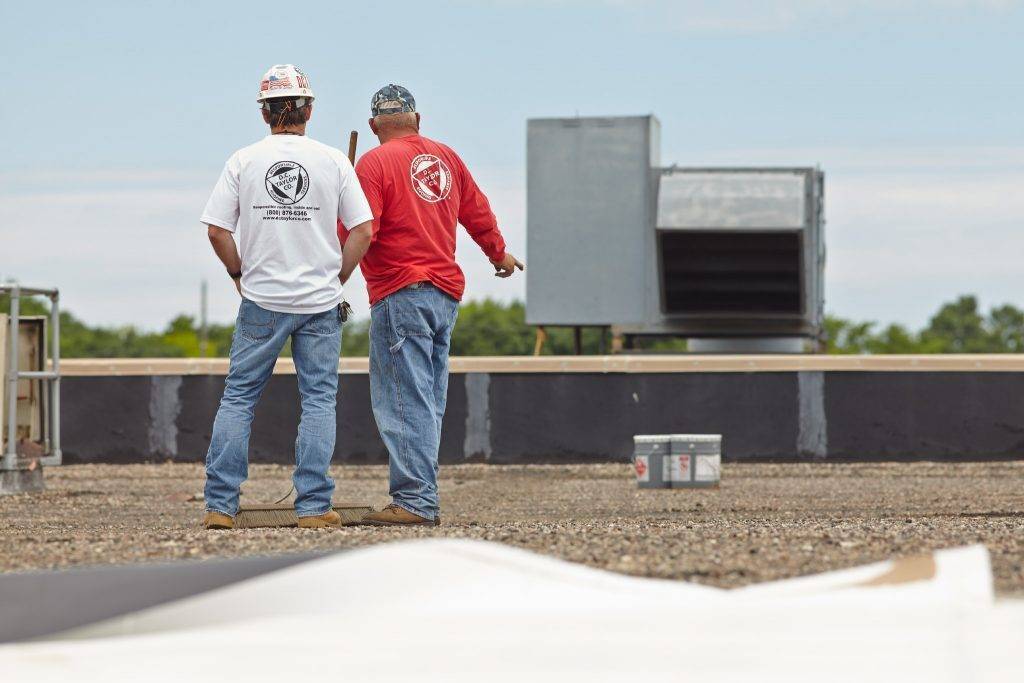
{"points": [[614, 239]]}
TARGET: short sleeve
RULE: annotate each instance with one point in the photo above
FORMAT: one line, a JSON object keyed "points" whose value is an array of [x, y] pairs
{"points": [[353, 209], [222, 208]]}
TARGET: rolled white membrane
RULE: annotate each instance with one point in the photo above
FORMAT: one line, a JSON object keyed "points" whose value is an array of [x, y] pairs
{"points": [[459, 610]]}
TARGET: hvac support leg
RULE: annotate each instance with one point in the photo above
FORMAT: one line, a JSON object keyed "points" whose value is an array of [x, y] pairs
{"points": [[538, 344], [616, 339]]}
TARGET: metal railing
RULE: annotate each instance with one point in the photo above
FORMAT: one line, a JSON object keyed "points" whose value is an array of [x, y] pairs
{"points": [[50, 378]]}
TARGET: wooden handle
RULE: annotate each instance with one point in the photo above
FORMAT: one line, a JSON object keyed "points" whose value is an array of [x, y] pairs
{"points": [[353, 137]]}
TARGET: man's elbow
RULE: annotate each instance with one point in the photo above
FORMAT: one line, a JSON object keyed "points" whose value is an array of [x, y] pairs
{"points": [[362, 232], [216, 234]]}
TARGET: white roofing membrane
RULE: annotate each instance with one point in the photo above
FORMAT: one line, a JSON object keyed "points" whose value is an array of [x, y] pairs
{"points": [[455, 610]]}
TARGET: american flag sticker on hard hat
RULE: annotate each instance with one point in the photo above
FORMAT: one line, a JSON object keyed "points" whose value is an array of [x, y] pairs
{"points": [[279, 81]]}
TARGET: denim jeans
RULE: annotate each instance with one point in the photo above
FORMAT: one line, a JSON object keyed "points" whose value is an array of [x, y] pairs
{"points": [[259, 337], [410, 332]]}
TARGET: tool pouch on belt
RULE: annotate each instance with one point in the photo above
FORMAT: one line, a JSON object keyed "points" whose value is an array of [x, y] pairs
{"points": [[345, 310]]}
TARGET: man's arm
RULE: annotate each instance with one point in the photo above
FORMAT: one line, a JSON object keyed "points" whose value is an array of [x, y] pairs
{"points": [[360, 201], [227, 252], [356, 244], [221, 218], [476, 216]]}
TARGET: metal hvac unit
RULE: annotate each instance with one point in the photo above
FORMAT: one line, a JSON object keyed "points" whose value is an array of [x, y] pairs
{"points": [[740, 252], [730, 258]]}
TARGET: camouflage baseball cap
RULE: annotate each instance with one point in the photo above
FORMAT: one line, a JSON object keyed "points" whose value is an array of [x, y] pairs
{"points": [[392, 99]]}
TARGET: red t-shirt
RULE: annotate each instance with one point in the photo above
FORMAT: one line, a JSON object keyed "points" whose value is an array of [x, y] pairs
{"points": [[419, 190]]}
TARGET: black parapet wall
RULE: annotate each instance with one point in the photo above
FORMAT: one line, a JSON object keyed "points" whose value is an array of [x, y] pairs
{"points": [[582, 416], [533, 417], [934, 415]]}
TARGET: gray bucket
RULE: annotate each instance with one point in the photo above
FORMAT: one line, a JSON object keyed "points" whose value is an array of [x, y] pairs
{"points": [[694, 461], [650, 454]]}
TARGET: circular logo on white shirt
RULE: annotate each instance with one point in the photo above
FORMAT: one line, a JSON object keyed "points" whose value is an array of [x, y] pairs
{"points": [[287, 182], [431, 178]]}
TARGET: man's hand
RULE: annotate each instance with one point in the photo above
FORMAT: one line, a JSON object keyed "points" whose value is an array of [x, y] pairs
{"points": [[507, 266], [238, 284]]}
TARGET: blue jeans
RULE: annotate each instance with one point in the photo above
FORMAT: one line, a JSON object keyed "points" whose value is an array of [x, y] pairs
{"points": [[259, 337], [410, 332]]}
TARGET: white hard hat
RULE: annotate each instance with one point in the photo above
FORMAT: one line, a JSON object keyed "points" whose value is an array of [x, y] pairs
{"points": [[284, 80]]}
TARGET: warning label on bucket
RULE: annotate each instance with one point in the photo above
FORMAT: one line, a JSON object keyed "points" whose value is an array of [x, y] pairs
{"points": [[643, 472], [708, 468], [679, 468]]}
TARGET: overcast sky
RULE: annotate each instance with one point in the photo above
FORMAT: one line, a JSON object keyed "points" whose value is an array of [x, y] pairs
{"points": [[119, 116]]}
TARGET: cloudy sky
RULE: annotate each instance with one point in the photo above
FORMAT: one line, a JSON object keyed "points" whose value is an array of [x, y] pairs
{"points": [[119, 117]]}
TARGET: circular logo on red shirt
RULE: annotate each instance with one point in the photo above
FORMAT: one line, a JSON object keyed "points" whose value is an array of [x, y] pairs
{"points": [[431, 178]]}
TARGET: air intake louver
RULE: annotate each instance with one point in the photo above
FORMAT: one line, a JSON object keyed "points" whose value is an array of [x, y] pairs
{"points": [[735, 272]]}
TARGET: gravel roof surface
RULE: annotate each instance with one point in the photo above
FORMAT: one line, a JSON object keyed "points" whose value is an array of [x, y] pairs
{"points": [[765, 522]]}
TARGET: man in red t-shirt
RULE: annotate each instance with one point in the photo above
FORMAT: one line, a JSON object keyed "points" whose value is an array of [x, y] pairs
{"points": [[418, 190]]}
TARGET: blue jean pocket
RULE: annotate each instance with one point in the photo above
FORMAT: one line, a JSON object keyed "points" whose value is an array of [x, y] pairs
{"points": [[408, 317], [326, 323], [254, 322]]}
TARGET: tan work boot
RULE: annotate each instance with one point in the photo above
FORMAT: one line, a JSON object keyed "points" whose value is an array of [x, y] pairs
{"points": [[329, 518], [394, 515], [218, 520]]}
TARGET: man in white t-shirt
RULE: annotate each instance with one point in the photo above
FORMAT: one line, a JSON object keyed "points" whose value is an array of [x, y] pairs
{"points": [[281, 199]]}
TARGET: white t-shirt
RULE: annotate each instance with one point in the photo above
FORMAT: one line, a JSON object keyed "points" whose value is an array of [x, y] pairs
{"points": [[282, 197]]}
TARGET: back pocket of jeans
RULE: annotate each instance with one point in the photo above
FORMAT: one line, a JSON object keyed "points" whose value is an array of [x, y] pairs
{"points": [[326, 323], [255, 323], [409, 320]]}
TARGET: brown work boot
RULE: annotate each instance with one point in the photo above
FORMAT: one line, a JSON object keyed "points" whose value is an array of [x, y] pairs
{"points": [[394, 515], [329, 518], [218, 520]]}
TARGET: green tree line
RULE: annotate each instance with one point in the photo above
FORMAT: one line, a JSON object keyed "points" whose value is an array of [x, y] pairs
{"points": [[490, 328], [958, 327]]}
